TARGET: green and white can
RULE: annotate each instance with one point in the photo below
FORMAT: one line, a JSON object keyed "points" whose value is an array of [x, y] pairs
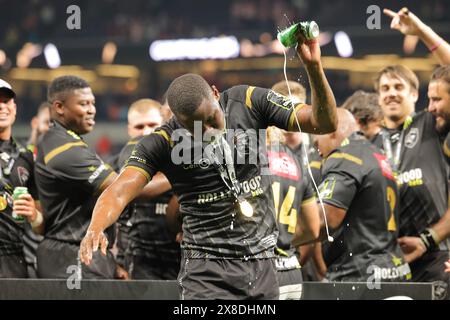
{"points": [[16, 196]]}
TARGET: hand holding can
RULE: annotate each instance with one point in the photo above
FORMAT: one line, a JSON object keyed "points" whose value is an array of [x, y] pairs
{"points": [[18, 191]]}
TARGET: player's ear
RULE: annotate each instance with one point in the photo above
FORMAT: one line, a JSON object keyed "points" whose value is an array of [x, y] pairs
{"points": [[58, 106], [414, 95], [216, 92]]}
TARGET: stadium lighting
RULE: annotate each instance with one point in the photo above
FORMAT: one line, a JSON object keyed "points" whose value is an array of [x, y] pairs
{"points": [[192, 49], [343, 44], [52, 56]]}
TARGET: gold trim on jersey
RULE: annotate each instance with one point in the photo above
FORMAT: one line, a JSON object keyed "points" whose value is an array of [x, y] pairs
{"points": [[61, 149], [446, 150], [142, 171], [346, 156], [292, 125], [248, 97], [132, 142], [165, 135], [315, 164]]}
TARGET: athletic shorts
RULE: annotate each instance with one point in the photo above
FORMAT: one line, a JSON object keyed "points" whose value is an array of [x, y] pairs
{"points": [[290, 278], [59, 260], [228, 279]]}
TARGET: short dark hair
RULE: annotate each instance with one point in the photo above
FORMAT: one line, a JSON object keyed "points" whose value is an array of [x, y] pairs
{"points": [[61, 86], [398, 71], [187, 92], [364, 107], [442, 73]]}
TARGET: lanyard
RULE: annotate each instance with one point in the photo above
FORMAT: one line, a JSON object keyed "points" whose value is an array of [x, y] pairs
{"points": [[395, 155], [6, 171], [227, 173]]}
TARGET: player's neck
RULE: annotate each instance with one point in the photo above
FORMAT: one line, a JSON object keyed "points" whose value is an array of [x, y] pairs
{"points": [[5, 134], [394, 123]]}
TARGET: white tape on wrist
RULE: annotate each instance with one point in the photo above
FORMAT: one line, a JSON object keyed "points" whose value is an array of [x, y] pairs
{"points": [[38, 221]]}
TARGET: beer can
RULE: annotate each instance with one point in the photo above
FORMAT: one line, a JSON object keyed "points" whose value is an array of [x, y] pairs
{"points": [[16, 196], [288, 36]]}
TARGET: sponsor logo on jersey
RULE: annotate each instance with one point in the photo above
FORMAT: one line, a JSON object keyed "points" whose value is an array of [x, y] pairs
{"points": [[23, 174], [252, 186], [160, 208], [327, 187], [411, 138], [279, 100], [96, 173], [413, 177], [384, 166], [283, 165]]}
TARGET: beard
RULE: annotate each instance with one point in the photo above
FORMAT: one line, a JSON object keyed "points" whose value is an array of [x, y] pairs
{"points": [[443, 125]]}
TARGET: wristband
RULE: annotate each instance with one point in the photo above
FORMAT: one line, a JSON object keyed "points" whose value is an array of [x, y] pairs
{"points": [[428, 239], [436, 45], [38, 221]]}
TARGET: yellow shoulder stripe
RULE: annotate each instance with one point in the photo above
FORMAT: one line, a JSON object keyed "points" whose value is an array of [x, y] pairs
{"points": [[248, 96], [61, 149], [346, 156], [132, 142], [142, 171], [165, 135], [292, 125], [446, 150], [315, 164]]}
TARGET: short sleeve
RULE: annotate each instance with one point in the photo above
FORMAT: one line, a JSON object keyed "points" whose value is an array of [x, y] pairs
{"points": [[273, 108], [151, 154], [341, 176], [80, 165], [125, 153], [308, 194]]}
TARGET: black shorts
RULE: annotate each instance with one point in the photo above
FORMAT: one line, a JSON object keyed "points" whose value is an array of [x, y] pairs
{"points": [[290, 278], [59, 260], [228, 279], [144, 268], [13, 266]]}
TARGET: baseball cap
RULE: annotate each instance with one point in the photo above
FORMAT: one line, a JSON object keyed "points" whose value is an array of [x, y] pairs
{"points": [[6, 87]]}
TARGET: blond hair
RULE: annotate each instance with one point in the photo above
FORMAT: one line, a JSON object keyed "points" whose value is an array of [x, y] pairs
{"points": [[142, 106], [296, 89]]}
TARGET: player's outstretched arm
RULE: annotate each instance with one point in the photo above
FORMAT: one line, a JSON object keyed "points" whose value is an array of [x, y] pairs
{"points": [[107, 210]]}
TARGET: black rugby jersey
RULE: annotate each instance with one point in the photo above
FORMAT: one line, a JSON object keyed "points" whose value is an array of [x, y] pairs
{"points": [[358, 178], [421, 175], [291, 187], [213, 226], [69, 176], [145, 222], [17, 170]]}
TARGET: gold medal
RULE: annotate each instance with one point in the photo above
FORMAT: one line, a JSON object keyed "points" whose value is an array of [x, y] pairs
{"points": [[246, 208], [3, 203]]}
